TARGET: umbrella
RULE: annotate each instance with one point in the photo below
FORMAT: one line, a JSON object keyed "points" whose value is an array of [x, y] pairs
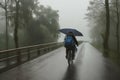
{"points": [[74, 31]]}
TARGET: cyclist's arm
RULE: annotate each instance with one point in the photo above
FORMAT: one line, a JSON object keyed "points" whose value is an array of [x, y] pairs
{"points": [[76, 42]]}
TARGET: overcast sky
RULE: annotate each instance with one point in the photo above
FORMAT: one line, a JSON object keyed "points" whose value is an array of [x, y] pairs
{"points": [[71, 13]]}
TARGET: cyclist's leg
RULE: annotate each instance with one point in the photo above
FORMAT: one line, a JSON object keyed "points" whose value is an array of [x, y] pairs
{"points": [[75, 49], [66, 53], [73, 52]]}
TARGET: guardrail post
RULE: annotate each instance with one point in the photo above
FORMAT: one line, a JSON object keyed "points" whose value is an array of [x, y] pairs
{"points": [[48, 49], [28, 54], [7, 62], [38, 51], [18, 57]]}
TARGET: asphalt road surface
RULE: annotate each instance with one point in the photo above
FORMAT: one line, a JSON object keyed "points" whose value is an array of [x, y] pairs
{"points": [[89, 64]]}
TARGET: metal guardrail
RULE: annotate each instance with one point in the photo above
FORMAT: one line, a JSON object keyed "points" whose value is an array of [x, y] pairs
{"points": [[13, 57]]}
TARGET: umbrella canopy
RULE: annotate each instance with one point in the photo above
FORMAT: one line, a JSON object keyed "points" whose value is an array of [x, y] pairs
{"points": [[74, 31]]}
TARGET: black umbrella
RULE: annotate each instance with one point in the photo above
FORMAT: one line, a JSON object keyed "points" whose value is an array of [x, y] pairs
{"points": [[74, 31]]}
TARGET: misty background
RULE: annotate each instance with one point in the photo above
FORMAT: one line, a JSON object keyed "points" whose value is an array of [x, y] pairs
{"points": [[71, 15]]}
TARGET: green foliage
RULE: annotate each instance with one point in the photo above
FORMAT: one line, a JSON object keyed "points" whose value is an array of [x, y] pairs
{"points": [[3, 41], [97, 19], [37, 24]]}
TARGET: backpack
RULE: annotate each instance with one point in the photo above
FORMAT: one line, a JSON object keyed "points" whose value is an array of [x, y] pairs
{"points": [[69, 41]]}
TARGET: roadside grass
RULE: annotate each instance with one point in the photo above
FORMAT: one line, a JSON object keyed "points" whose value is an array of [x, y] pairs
{"points": [[113, 55]]}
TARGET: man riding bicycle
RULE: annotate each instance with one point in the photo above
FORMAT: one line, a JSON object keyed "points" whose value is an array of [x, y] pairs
{"points": [[70, 43]]}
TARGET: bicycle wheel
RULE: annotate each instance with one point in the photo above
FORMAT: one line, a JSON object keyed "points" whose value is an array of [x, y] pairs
{"points": [[70, 59]]}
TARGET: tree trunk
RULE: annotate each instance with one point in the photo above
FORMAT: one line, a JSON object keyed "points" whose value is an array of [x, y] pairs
{"points": [[16, 25], [106, 39], [117, 30], [16, 32], [6, 20], [6, 12]]}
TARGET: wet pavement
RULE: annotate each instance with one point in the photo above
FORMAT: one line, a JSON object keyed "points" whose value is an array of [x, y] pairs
{"points": [[89, 64]]}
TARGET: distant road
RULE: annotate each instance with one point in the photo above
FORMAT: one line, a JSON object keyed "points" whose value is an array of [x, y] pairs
{"points": [[88, 65]]}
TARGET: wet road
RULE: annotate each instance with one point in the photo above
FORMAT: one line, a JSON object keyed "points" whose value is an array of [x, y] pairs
{"points": [[89, 64]]}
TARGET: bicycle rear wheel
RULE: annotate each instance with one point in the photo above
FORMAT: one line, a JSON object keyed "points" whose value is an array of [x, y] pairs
{"points": [[70, 59]]}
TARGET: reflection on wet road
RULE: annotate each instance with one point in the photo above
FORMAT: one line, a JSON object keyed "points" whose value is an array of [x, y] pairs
{"points": [[88, 65], [70, 73]]}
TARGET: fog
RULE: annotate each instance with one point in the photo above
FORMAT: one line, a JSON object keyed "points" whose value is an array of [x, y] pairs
{"points": [[71, 14], [2, 22]]}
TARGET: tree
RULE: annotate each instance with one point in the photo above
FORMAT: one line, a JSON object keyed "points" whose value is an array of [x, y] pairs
{"points": [[106, 38], [16, 23], [14, 19], [97, 11], [96, 17], [105, 22], [43, 28], [38, 22], [19, 18], [4, 5], [116, 8], [50, 20], [117, 30]]}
